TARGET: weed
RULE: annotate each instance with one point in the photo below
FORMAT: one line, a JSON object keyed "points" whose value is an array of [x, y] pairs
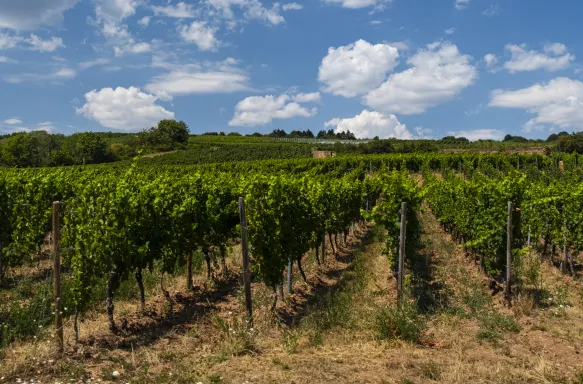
{"points": [[290, 341], [476, 299], [580, 378], [430, 370], [220, 358], [214, 378], [557, 301], [316, 338], [239, 336], [527, 266], [407, 380], [280, 363], [494, 324], [401, 322]]}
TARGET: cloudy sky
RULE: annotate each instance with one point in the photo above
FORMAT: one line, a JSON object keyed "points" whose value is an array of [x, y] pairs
{"points": [[392, 68]]}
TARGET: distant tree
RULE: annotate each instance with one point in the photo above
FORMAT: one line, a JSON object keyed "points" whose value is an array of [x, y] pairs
{"points": [[345, 135], [378, 146], [120, 151], [21, 150], [256, 134], [84, 148], [278, 133], [176, 131], [570, 143], [48, 146], [462, 139], [517, 139], [233, 134]]}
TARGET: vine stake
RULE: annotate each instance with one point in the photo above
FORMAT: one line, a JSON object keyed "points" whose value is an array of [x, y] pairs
{"points": [[402, 251], [57, 279], [245, 252], [508, 292]]}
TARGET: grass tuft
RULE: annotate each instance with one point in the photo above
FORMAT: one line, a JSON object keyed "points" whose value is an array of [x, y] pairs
{"points": [[401, 322]]}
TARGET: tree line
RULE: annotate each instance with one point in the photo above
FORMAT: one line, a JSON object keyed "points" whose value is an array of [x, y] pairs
{"points": [[40, 148]]}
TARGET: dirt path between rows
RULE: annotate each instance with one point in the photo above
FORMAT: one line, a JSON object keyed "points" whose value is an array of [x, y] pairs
{"points": [[331, 329]]}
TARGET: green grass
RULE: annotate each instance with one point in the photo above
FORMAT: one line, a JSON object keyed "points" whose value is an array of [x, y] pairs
{"points": [[401, 322]]}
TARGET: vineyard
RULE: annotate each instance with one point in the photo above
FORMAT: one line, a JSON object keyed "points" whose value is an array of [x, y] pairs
{"points": [[209, 153], [81, 245]]}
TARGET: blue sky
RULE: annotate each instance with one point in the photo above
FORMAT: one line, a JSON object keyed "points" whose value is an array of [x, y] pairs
{"points": [[392, 68]]}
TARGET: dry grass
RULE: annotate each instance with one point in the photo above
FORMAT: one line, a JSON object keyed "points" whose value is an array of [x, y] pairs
{"points": [[334, 337]]}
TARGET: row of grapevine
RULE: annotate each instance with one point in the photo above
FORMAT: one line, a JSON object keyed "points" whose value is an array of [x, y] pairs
{"points": [[474, 210], [116, 223]]}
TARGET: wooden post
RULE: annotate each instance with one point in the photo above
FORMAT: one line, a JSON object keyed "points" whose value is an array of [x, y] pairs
{"points": [[402, 252], [565, 254], [528, 240], [245, 253], [290, 266], [323, 247], [189, 271], [57, 278], [509, 253]]}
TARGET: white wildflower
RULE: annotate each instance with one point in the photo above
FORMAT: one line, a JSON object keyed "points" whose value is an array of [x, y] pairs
{"points": [[115, 374]]}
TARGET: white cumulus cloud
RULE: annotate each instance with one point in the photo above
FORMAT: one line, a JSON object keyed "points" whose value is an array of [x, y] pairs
{"points": [[359, 3], [292, 7], [93, 63], [262, 110], [313, 97], [8, 41], [115, 10], [180, 10], [127, 109], [479, 134], [491, 60], [57, 75], [198, 79], [437, 74], [13, 121], [132, 48], [38, 44], [33, 43], [461, 4], [145, 21], [200, 34], [252, 9], [369, 124], [356, 68], [110, 16], [554, 58], [32, 14], [558, 103], [492, 10]]}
